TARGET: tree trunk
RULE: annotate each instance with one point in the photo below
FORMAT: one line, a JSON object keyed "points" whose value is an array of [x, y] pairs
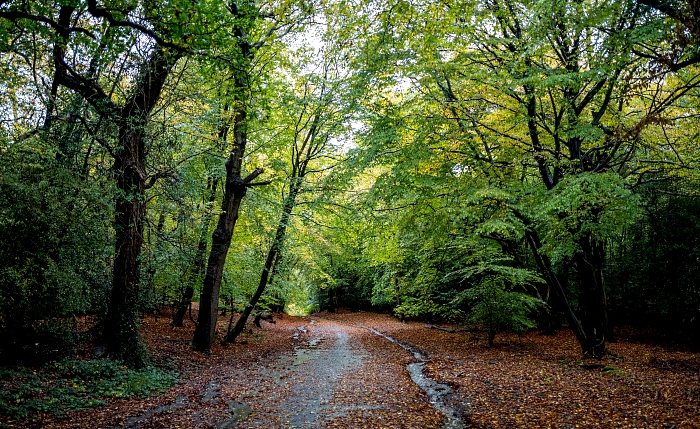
{"points": [[200, 263], [121, 332], [556, 286], [589, 264], [304, 150], [234, 191], [276, 247]]}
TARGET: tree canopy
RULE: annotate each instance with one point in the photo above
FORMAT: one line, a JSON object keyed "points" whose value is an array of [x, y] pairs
{"points": [[507, 164]]}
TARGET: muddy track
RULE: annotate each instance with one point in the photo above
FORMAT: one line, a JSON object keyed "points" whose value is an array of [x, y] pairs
{"points": [[309, 376], [438, 394], [335, 375]]}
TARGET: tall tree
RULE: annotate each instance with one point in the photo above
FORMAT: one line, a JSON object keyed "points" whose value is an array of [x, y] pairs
{"points": [[532, 106], [249, 23], [312, 129]]}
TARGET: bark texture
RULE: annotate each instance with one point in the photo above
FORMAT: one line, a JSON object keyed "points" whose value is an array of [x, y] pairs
{"points": [[130, 119], [275, 249], [306, 147], [592, 297]]}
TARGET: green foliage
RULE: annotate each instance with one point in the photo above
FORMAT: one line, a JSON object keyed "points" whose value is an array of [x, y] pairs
{"points": [[54, 253], [425, 307], [301, 301], [457, 136], [70, 385], [498, 308], [599, 204], [386, 288]]}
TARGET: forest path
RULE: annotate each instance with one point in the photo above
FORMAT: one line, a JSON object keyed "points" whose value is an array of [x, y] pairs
{"points": [[338, 376], [307, 373], [307, 378]]}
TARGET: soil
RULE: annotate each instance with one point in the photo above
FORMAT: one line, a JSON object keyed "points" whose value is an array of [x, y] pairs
{"points": [[366, 370]]}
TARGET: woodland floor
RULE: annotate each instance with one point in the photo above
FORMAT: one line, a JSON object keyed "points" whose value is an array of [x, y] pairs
{"points": [[329, 370]]}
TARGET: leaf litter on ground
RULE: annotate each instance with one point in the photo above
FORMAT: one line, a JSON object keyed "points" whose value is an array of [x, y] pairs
{"points": [[529, 381]]}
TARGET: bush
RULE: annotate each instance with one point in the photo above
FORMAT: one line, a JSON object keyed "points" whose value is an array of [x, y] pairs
{"points": [[424, 307], [53, 257], [497, 308]]}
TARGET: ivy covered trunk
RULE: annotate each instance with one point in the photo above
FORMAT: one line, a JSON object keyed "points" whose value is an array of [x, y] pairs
{"points": [[121, 331], [121, 327]]}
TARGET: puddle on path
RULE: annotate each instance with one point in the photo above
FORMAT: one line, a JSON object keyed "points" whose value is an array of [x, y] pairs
{"points": [[437, 393], [238, 412]]}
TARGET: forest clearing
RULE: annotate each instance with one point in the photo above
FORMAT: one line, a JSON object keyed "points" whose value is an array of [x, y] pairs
{"points": [[329, 371]]}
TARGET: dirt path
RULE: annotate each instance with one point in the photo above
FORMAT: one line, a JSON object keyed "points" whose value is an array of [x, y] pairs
{"points": [[338, 377], [300, 373], [307, 378]]}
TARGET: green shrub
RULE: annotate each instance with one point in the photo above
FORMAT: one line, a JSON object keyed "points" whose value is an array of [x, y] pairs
{"points": [[54, 253], [498, 308], [425, 307]]}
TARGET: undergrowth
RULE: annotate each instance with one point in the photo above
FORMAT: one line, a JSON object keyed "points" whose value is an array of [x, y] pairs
{"points": [[69, 385]]}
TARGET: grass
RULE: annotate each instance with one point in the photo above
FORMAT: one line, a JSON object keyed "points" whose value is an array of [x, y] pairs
{"points": [[68, 385]]}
